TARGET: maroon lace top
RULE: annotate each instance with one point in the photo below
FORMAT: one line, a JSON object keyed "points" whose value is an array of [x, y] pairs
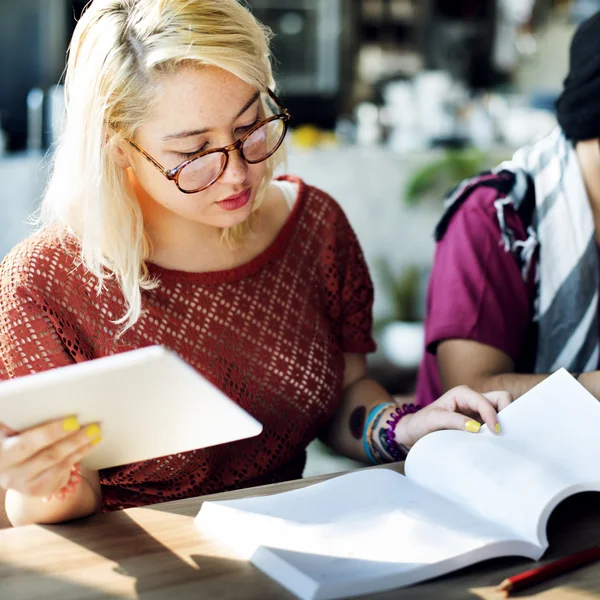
{"points": [[270, 333]]}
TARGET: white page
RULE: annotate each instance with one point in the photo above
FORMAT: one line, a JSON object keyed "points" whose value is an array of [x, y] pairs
{"points": [[358, 533], [149, 402], [549, 448]]}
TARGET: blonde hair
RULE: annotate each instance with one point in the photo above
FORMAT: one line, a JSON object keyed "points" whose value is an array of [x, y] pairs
{"points": [[118, 53]]}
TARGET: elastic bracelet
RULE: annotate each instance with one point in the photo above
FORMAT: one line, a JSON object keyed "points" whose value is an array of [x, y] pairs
{"points": [[396, 451], [70, 487], [373, 417]]}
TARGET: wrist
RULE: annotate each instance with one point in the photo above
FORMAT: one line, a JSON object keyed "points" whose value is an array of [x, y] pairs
{"points": [[69, 487], [374, 426], [398, 435], [380, 435], [388, 432], [22, 509], [403, 430]]}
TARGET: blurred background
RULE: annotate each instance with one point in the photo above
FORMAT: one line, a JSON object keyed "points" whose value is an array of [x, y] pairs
{"points": [[393, 102]]}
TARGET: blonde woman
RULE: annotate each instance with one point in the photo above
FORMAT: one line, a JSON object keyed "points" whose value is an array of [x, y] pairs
{"points": [[162, 224]]}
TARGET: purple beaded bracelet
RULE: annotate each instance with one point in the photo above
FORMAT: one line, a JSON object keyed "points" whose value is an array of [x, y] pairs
{"points": [[394, 449]]}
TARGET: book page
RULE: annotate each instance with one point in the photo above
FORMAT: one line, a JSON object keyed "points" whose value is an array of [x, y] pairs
{"points": [[363, 532], [549, 448]]}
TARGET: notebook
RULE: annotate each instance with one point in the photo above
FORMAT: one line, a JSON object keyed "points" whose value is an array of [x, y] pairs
{"points": [[149, 402], [465, 498]]}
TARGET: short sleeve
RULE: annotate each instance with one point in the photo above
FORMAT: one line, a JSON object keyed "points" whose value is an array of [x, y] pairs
{"points": [[33, 332], [356, 292], [476, 290], [29, 342]]}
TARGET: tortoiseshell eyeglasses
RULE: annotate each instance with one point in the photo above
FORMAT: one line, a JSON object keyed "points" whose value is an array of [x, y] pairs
{"points": [[203, 169]]}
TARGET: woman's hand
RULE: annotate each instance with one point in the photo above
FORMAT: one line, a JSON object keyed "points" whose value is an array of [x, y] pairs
{"points": [[37, 462], [459, 408]]}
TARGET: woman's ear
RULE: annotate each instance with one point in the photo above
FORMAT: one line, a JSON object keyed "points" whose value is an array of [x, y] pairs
{"points": [[119, 155]]}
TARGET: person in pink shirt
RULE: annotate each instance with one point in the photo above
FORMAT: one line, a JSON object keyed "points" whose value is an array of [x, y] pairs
{"points": [[513, 294]]}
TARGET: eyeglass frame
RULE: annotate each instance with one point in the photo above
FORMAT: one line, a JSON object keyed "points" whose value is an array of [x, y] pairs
{"points": [[173, 174]]}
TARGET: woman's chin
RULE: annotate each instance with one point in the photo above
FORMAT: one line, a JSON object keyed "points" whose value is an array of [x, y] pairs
{"points": [[226, 219]]}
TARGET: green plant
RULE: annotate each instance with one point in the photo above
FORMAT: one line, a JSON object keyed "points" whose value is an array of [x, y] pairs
{"points": [[443, 173], [403, 292], [437, 177]]}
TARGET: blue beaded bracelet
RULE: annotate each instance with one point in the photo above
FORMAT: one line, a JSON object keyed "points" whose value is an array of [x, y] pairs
{"points": [[369, 449]]}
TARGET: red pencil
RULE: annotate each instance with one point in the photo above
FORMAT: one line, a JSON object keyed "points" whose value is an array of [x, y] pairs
{"points": [[553, 569]]}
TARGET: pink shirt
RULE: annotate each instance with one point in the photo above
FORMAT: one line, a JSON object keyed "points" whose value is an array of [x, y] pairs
{"points": [[476, 291]]}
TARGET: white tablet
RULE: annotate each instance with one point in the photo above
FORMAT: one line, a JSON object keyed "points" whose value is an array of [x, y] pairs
{"points": [[149, 402]]}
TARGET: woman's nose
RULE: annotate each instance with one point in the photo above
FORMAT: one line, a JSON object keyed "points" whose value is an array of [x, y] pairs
{"points": [[237, 168]]}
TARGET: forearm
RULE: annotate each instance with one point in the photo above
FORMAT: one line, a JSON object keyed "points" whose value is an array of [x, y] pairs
{"points": [[22, 509], [591, 382], [485, 368], [345, 432], [518, 384]]}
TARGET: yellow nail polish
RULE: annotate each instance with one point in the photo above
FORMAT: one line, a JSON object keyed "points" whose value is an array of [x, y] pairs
{"points": [[472, 426], [497, 427], [71, 424], [96, 441], [93, 430]]}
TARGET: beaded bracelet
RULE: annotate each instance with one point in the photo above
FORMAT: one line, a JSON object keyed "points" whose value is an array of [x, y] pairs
{"points": [[70, 487], [371, 423], [396, 451]]}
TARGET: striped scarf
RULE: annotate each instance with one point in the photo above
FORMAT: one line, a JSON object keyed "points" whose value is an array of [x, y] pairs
{"points": [[543, 183]]}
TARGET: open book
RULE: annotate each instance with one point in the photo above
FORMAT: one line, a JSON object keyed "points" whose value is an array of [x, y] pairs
{"points": [[465, 498]]}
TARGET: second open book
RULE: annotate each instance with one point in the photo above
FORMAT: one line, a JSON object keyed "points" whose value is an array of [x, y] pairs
{"points": [[465, 498]]}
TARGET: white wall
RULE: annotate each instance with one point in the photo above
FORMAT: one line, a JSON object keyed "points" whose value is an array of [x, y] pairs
{"points": [[369, 184], [22, 182]]}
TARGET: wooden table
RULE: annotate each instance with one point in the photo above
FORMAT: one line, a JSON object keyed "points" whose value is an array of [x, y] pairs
{"points": [[155, 552]]}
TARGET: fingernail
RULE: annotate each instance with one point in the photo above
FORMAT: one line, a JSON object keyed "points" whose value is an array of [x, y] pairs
{"points": [[96, 441], [71, 424], [497, 427], [93, 430], [472, 426]]}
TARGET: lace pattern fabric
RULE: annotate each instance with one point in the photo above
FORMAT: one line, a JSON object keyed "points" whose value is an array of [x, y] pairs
{"points": [[271, 334]]}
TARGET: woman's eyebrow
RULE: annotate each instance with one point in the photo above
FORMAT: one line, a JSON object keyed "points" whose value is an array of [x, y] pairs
{"points": [[185, 134]]}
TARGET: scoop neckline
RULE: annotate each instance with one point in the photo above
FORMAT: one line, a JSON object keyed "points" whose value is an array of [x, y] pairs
{"points": [[273, 250]]}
